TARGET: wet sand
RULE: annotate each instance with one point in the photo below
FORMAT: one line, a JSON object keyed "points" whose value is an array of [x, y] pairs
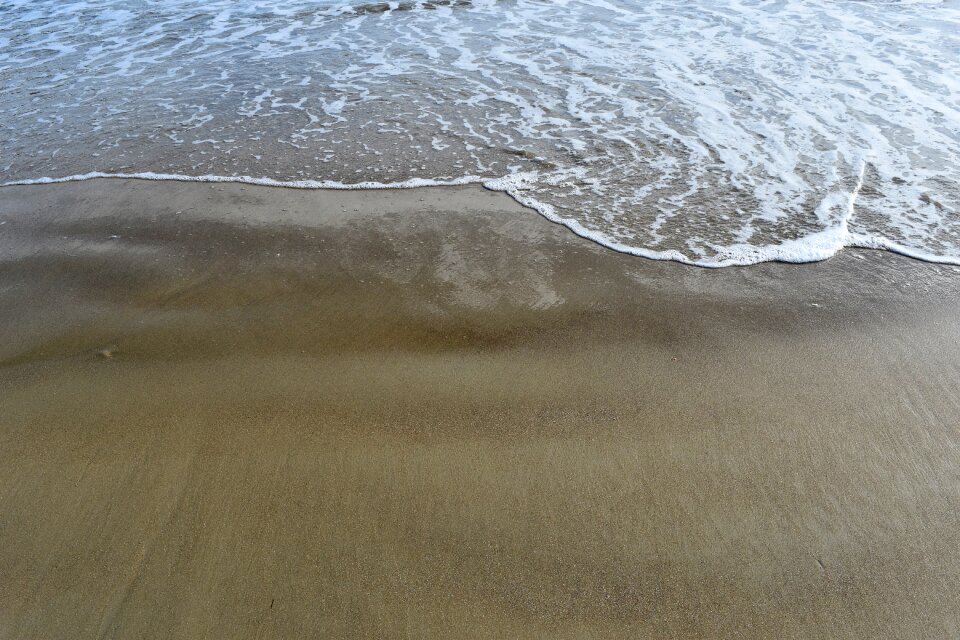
{"points": [[236, 411]]}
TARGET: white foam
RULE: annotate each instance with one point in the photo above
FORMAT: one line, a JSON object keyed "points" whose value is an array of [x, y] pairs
{"points": [[813, 248], [713, 133], [412, 183]]}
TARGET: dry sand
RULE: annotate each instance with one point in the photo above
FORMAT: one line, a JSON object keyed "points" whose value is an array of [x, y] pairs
{"points": [[237, 411]]}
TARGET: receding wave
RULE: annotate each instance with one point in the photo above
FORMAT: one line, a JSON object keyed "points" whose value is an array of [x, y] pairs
{"points": [[713, 133]]}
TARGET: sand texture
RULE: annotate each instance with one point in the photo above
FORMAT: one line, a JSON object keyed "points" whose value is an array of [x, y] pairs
{"points": [[247, 412]]}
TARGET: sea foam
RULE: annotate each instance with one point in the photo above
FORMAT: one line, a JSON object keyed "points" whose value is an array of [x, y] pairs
{"points": [[716, 133]]}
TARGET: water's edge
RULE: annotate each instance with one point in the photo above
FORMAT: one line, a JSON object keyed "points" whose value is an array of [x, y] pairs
{"points": [[812, 248]]}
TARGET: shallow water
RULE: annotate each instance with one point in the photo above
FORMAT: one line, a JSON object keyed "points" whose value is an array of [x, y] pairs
{"points": [[711, 132]]}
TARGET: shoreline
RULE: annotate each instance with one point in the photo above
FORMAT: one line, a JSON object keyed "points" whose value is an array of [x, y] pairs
{"points": [[239, 410], [839, 237]]}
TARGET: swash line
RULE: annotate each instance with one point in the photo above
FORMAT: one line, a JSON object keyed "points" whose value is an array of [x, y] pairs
{"points": [[748, 254]]}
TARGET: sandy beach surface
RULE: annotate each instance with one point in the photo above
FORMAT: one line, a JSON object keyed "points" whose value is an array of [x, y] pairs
{"points": [[245, 412]]}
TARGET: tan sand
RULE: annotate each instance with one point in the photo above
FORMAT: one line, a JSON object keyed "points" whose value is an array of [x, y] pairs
{"points": [[244, 412]]}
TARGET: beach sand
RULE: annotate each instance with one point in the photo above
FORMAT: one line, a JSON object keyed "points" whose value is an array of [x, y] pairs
{"points": [[232, 411]]}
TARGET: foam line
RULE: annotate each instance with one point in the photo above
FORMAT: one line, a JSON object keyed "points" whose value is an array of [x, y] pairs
{"points": [[815, 247], [412, 183]]}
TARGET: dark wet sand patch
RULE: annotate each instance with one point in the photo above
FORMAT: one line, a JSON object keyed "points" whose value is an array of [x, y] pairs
{"points": [[234, 411]]}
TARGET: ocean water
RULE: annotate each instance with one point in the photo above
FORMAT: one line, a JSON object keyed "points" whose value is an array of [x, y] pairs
{"points": [[712, 132]]}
